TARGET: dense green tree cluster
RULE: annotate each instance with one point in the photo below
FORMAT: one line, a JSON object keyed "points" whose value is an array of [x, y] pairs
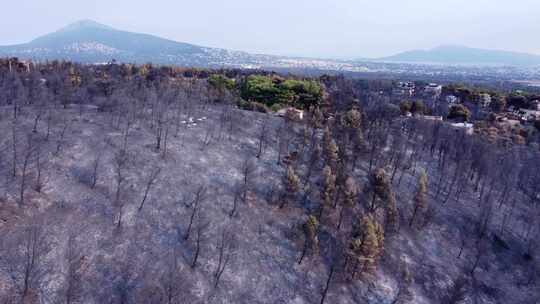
{"points": [[459, 112], [221, 85], [415, 107], [275, 90], [221, 82]]}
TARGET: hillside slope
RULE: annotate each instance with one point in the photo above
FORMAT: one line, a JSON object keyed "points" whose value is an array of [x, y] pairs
{"points": [[90, 42], [167, 196]]}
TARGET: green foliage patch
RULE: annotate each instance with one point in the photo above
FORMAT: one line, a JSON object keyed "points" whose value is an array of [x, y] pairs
{"points": [[274, 90]]}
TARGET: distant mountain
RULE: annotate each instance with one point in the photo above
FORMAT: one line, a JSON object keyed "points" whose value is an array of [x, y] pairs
{"points": [[459, 55], [87, 41], [90, 42]]}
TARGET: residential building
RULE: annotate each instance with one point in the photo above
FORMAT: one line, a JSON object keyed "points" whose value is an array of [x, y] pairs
{"points": [[529, 115], [484, 100], [467, 127], [451, 99], [433, 89]]}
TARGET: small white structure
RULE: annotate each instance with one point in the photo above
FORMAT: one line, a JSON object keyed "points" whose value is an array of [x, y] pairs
{"points": [[451, 99], [536, 104], [485, 100], [529, 115], [504, 121], [434, 118], [291, 113], [404, 89], [468, 127], [433, 89]]}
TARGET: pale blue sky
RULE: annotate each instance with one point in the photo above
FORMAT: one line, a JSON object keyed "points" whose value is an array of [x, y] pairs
{"points": [[324, 28]]}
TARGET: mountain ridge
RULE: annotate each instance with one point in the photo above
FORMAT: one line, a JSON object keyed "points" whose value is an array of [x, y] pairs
{"points": [[87, 41], [463, 55]]}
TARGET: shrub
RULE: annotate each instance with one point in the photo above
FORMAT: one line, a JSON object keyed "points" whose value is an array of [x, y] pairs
{"points": [[253, 106], [459, 112], [221, 82]]}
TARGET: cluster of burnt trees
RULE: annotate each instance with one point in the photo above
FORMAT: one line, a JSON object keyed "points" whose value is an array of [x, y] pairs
{"points": [[350, 162], [359, 173], [32, 104]]}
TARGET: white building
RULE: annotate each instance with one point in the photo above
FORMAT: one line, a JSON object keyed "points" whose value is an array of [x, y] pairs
{"points": [[529, 115], [451, 99], [405, 89], [468, 127], [536, 104], [433, 89], [485, 100]]}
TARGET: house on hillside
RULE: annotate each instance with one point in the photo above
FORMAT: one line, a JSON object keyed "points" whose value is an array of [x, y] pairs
{"points": [[467, 127], [529, 115], [403, 89], [484, 100], [535, 104], [433, 89], [451, 99], [504, 121], [433, 118], [291, 113], [15, 64]]}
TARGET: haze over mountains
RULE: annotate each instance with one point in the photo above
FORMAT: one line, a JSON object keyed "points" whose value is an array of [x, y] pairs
{"points": [[90, 42], [450, 54]]}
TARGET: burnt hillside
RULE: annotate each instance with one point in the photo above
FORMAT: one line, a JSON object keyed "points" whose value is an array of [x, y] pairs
{"points": [[139, 184]]}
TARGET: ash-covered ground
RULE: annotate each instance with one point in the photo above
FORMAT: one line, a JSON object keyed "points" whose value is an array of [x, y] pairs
{"points": [[188, 243]]}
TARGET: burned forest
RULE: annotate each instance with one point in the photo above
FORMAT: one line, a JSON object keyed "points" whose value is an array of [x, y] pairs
{"points": [[152, 184]]}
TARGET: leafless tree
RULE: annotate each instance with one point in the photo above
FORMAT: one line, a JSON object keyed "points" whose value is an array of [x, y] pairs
{"points": [[49, 123], [238, 190], [129, 117], [248, 168], [403, 294], [311, 239], [481, 248], [315, 155], [226, 248], [25, 262], [42, 103], [329, 278], [40, 166], [124, 285], [160, 114], [208, 136], [199, 197], [263, 134], [95, 168], [485, 216], [152, 177], [14, 139], [61, 137], [120, 165], [72, 289], [201, 228], [171, 281], [283, 137], [456, 292], [30, 149]]}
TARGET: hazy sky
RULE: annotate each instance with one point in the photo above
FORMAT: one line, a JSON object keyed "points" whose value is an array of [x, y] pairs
{"points": [[326, 28]]}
